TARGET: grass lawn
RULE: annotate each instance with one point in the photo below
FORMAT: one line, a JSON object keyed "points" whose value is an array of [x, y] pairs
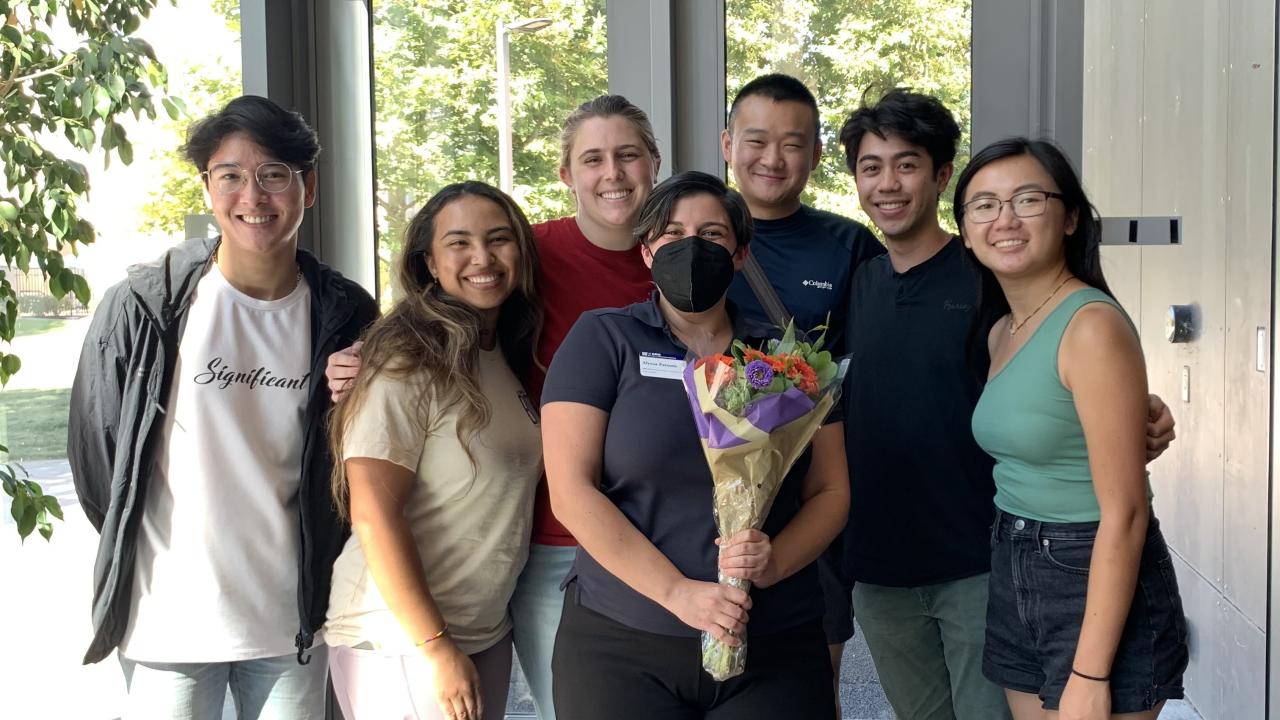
{"points": [[28, 326], [33, 423]]}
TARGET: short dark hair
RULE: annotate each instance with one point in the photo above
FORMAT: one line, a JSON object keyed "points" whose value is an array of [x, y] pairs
{"points": [[915, 117], [282, 133], [778, 88], [657, 209]]}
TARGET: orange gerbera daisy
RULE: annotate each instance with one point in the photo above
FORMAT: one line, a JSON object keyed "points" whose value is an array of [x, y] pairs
{"points": [[711, 362]]}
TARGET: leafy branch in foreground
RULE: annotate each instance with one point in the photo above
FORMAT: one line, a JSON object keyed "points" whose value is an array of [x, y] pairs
{"points": [[79, 93]]}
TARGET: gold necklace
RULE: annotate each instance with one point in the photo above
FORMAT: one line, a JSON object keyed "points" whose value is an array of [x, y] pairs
{"points": [[297, 281], [1015, 328]]}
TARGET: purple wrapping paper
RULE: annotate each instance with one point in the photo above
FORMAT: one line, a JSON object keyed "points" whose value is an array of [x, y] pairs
{"points": [[766, 414]]}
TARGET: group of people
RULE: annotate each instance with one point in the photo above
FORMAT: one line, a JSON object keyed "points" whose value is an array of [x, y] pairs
{"points": [[978, 498]]}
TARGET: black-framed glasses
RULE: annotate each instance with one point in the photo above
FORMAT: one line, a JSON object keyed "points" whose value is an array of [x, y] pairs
{"points": [[272, 177], [1028, 203]]}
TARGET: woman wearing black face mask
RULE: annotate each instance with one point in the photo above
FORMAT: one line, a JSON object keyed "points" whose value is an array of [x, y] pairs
{"points": [[628, 478]]}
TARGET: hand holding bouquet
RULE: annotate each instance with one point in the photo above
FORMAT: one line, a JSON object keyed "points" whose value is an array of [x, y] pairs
{"points": [[756, 412]]}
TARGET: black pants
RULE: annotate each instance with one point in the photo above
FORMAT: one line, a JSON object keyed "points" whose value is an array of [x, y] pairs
{"points": [[604, 669]]}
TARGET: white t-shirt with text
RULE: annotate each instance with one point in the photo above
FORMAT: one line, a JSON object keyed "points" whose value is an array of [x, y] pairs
{"points": [[216, 569]]}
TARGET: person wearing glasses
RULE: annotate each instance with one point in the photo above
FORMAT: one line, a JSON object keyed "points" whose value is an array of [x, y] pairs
{"points": [[917, 543], [197, 440], [1084, 617]]}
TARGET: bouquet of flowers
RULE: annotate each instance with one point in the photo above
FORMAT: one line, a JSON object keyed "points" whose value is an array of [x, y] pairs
{"points": [[756, 412]]}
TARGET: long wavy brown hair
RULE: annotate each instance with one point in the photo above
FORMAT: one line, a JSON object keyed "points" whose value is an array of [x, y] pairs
{"points": [[429, 334]]}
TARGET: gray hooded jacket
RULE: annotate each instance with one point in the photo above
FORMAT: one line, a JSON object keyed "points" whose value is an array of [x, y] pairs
{"points": [[121, 388]]}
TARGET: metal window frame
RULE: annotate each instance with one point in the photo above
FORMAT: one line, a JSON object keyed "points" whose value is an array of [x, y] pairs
{"points": [[1028, 72], [668, 58], [291, 70]]}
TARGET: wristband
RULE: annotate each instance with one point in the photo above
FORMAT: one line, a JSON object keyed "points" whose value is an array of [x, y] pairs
{"points": [[443, 631], [1077, 673]]}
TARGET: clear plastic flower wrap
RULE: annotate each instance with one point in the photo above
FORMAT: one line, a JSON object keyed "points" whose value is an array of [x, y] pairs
{"points": [[756, 412]]}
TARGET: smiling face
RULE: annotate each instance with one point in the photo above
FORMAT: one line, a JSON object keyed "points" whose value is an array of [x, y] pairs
{"points": [[898, 187], [1011, 246], [698, 214], [255, 222], [474, 254], [610, 172], [772, 148]]}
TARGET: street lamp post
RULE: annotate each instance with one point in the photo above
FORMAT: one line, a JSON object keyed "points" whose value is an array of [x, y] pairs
{"points": [[504, 93]]}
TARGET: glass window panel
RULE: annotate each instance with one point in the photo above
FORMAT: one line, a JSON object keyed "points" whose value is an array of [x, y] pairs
{"points": [[843, 48], [435, 89], [435, 84], [138, 211]]}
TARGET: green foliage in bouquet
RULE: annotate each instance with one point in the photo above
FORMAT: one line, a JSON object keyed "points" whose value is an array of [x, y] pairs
{"points": [[783, 363]]}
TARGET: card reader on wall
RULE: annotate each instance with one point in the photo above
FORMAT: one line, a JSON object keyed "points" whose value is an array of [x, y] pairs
{"points": [[1182, 323], [1142, 230]]}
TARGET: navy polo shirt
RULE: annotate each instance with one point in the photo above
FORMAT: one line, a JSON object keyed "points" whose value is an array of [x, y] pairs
{"points": [[809, 257], [626, 362], [921, 503]]}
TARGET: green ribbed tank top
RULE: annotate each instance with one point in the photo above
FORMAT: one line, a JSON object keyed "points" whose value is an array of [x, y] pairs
{"points": [[1027, 421]]}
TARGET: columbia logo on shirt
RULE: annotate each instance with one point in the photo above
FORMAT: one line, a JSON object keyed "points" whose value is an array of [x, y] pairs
{"points": [[818, 284]]}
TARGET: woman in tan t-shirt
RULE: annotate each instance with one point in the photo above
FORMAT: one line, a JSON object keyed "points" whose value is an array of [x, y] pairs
{"points": [[441, 455]]}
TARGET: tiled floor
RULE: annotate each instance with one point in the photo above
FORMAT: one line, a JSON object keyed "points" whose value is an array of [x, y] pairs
{"points": [[519, 702], [860, 693]]}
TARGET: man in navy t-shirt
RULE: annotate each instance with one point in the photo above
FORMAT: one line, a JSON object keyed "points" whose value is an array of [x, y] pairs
{"points": [[772, 145]]}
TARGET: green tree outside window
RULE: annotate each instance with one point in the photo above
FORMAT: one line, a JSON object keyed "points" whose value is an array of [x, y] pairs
{"points": [[77, 89]]}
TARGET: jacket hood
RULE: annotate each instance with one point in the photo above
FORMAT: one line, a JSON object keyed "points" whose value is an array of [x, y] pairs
{"points": [[165, 285]]}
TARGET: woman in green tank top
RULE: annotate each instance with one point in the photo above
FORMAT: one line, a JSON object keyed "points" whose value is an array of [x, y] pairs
{"points": [[1084, 616]]}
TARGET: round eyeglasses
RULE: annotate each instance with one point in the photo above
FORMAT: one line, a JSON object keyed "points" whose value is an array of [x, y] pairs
{"points": [[1029, 203], [272, 177]]}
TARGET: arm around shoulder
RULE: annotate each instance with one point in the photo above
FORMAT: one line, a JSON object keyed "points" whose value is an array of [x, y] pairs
{"points": [[366, 307]]}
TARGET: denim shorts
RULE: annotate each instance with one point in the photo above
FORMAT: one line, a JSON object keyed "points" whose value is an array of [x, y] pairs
{"points": [[1039, 580]]}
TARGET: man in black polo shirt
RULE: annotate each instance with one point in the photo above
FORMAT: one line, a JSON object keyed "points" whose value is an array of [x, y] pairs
{"points": [[920, 512]]}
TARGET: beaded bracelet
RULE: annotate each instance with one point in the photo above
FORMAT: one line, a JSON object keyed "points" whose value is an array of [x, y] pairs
{"points": [[437, 636], [1090, 677]]}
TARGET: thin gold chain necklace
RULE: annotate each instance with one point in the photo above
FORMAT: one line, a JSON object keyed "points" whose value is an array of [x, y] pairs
{"points": [[1014, 328], [296, 282]]}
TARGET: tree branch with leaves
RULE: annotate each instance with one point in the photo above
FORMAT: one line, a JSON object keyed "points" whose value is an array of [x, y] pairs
{"points": [[78, 89]]}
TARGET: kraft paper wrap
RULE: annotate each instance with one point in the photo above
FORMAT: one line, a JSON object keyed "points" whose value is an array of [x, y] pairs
{"points": [[748, 456]]}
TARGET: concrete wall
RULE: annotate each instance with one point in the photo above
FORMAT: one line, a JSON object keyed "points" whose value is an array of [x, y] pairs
{"points": [[1178, 120]]}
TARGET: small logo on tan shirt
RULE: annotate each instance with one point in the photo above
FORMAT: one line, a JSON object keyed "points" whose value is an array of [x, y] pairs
{"points": [[529, 407]]}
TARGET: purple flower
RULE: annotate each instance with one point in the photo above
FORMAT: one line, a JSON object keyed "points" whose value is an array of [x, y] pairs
{"points": [[759, 374]]}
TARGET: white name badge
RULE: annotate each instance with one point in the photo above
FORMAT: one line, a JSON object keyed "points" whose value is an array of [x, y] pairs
{"points": [[666, 367]]}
